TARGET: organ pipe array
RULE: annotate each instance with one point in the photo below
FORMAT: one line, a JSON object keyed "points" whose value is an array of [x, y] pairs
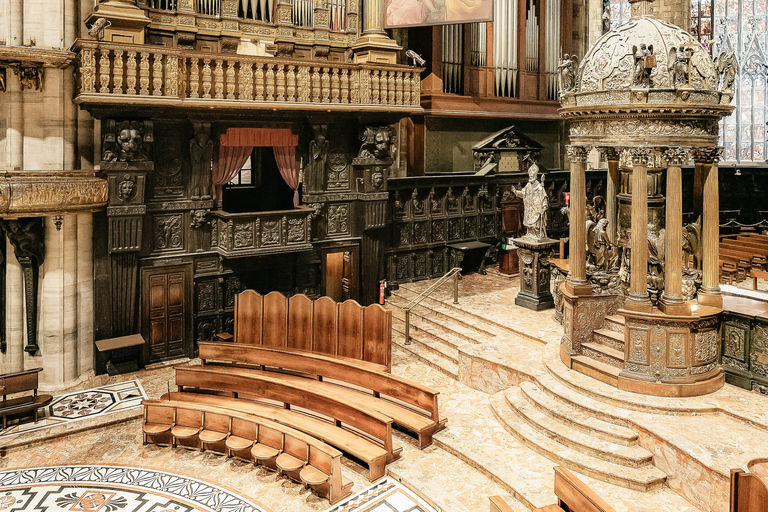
{"points": [[478, 40], [209, 7], [169, 5], [505, 47], [453, 58], [338, 14], [531, 38], [553, 48], [303, 13]]}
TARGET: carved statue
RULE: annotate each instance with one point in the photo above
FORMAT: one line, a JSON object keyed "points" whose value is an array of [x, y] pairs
{"points": [[692, 242], [27, 238], [399, 205], [201, 155], [451, 201], [434, 202], [318, 151], [535, 204], [679, 62], [656, 246], [727, 67], [466, 200], [567, 74], [597, 245], [31, 78], [418, 206], [596, 211], [128, 144], [645, 61], [2, 79], [377, 143], [606, 17], [126, 189], [200, 218]]}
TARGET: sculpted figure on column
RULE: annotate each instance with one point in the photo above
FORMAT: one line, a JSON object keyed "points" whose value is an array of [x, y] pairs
{"points": [[535, 204]]}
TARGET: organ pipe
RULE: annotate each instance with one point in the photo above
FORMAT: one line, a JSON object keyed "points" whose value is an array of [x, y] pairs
{"points": [[505, 47], [531, 38], [554, 48], [477, 34], [453, 58]]}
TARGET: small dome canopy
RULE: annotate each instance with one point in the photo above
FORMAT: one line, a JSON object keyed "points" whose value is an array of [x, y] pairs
{"points": [[654, 73]]}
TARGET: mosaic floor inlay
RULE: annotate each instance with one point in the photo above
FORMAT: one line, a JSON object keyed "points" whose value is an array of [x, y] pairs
{"points": [[113, 489], [107, 399], [386, 495]]}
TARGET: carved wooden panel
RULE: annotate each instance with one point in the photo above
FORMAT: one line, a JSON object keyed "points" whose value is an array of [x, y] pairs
{"points": [[377, 324], [325, 326], [275, 320], [300, 322], [249, 306], [638, 346], [205, 296], [350, 329], [168, 232], [678, 354], [166, 312]]}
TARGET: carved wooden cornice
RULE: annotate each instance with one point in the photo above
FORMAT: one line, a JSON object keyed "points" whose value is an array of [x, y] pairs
{"points": [[24, 56], [29, 194]]}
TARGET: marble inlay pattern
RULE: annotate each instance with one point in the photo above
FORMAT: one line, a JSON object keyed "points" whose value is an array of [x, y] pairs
{"points": [[384, 496], [86, 404], [113, 489]]}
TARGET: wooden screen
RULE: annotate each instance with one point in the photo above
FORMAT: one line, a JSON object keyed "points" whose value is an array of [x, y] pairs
{"points": [[377, 333], [275, 320], [248, 306], [325, 335], [300, 322], [351, 329]]}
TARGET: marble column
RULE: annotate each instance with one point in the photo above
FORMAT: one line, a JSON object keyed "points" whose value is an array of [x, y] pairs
{"points": [[14, 132], [710, 294], [638, 284], [85, 304], [672, 301], [16, 22], [576, 283], [611, 194], [13, 359]]}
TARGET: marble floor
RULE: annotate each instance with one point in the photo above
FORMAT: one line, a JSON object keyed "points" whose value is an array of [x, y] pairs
{"points": [[693, 441]]}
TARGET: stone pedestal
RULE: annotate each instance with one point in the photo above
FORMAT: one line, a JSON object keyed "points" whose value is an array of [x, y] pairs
{"points": [[534, 257]]}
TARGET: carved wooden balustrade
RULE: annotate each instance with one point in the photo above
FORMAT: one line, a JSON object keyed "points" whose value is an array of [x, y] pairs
{"points": [[120, 74], [255, 234]]}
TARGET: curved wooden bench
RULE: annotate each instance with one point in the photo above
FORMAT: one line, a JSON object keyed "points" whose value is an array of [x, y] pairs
{"points": [[414, 409], [21, 382], [360, 447], [295, 453], [236, 380]]}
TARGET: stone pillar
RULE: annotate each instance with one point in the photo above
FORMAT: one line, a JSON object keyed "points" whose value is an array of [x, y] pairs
{"points": [[374, 45], [14, 133], [709, 294], [671, 301], [612, 190], [67, 228], [16, 22], [85, 304], [51, 322], [576, 283], [638, 284], [13, 359]]}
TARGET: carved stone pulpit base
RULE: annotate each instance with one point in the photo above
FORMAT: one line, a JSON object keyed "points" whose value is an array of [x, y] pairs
{"points": [[534, 257]]}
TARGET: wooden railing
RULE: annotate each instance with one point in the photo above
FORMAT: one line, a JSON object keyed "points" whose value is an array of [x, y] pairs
{"points": [[249, 234], [109, 73]]}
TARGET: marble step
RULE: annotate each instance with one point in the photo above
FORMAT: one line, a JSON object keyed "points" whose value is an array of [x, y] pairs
{"points": [[640, 479], [436, 361], [438, 328], [446, 312], [597, 370], [563, 433], [604, 354], [609, 338], [428, 473], [427, 341], [615, 323], [564, 410], [441, 320]]}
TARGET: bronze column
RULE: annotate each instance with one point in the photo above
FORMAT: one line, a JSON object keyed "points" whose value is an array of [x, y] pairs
{"points": [[612, 189], [638, 284], [672, 301], [577, 259], [709, 294]]}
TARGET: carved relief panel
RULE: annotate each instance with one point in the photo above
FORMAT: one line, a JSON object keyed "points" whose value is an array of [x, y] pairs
{"points": [[706, 346], [735, 343], [638, 346], [168, 232], [338, 219], [677, 349], [758, 350]]}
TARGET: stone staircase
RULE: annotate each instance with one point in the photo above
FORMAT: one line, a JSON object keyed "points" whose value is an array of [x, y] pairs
{"points": [[603, 357]]}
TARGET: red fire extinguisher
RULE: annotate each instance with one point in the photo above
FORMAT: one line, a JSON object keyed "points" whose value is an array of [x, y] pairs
{"points": [[382, 291]]}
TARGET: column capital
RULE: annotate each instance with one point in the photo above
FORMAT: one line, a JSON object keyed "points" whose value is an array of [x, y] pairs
{"points": [[577, 154], [611, 154], [640, 156], [707, 155], [676, 155]]}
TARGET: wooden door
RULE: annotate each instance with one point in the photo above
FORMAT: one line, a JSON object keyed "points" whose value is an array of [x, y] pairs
{"points": [[166, 307], [334, 275], [348, 277]]}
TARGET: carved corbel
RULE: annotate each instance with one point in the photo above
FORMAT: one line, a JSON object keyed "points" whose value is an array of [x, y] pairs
{"points": [[576, 154], [676, 156], [30, 77], [640, 156], [2, 79], [28, 240]]}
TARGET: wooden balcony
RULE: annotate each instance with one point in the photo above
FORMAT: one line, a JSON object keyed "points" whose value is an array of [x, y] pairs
{"points": [[114, 76], [238, 235]]}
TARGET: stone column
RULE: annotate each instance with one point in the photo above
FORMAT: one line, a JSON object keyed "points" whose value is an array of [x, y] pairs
{"points": [[612, 189], [374, 45], [672, 301], [51, 322], [576, 283], [13, 359], [709, 294], [16, 22], [638, 284], [14, 133], [85, 304]]}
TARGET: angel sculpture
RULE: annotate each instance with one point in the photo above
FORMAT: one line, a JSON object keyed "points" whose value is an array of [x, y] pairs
{"points": [[645, 61], [679, 62], [567, 74], [727, 67]]}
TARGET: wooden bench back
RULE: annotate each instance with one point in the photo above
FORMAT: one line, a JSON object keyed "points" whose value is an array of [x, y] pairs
{"points": [[579, 498], [323, 325], [748, 492], [19, 382], [414, 394], [376, 425]]}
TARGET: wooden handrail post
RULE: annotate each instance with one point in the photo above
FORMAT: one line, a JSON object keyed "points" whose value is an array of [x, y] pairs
{"points": [[407, 326]]}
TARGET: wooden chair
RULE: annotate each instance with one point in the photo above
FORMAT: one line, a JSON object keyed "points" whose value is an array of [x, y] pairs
{"points": [[241, 437], [214, 430], [157, 424], [187, 425]]}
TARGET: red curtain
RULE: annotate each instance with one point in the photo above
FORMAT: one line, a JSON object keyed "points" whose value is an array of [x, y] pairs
{"points": [[231, 160], [289, 170], [259, 137]]}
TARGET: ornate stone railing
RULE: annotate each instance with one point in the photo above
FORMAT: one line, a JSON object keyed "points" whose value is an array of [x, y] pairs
{"points": [[154, 75], [258, 233]]}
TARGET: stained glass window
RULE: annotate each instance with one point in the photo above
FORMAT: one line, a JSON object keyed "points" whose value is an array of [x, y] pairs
{"points": [[739, 26], [620, 12]]}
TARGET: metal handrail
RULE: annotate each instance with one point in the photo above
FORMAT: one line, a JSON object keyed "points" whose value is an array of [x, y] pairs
{"points": [[454, 273]]}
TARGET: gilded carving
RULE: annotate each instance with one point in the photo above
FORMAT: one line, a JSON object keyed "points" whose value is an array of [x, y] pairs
{"points": [[639, 346], [706, 346], [677, 353]]}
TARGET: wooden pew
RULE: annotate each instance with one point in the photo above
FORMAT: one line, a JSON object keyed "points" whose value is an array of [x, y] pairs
{"points": [[424, 421], [240, 382], [748, 492], [756, 274], [572, 494], [16, 384], [758, 250], [360, 447], [295, 454]]}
